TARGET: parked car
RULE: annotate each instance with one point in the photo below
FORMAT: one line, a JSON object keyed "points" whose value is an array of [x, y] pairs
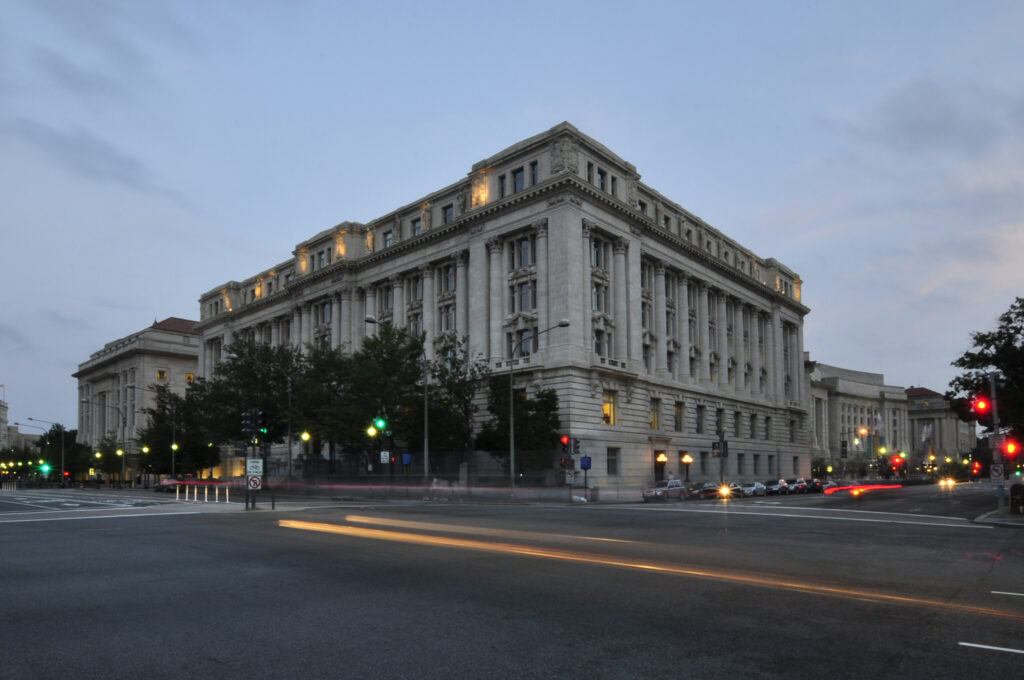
{"points": [[665, 490], [755, 489], [797, 485], [776, 487], [735, 490], [828, 485], [814, 486], [709, 490]]}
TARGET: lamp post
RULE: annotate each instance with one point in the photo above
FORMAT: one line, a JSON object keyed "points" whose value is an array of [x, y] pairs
{"points": [[687, 461], [40, 420], [370, 318], [563, 323]]}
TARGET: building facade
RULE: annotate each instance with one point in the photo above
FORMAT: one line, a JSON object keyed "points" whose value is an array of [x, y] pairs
{"points": [[936, 431], [855, 418], [115, 385], [678, 335]]}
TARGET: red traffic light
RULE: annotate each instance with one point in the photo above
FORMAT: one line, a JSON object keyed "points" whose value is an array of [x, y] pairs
{"points": [[565, 440], [1011, 448], [981, 405]]}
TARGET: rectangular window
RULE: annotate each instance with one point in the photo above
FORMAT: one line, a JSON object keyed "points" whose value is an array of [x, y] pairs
{"points": [[642, 207], [753, 426], [522, 252], [501, 186], [602, 179], [768, 427], [518, 180], [757, 464], [415, 324], [655, 409], [612, 457], [190, 378], [416, 286], [737, 418], [613, 191], [703, 462], [389, 238], [417, 226], [739, 464], [534, 173], [599, 343], [796, 465], [699, 424], [608, 408], [447, 213], [161, 374], [590, 172], [677, 416]]}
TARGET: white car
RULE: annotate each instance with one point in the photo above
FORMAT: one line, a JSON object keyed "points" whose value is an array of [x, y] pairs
{"points": [[755, 489]]}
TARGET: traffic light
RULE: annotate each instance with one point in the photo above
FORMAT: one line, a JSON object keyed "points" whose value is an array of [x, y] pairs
{"points": [[261, 422], [576, 446], [248, 423], [565, 445], [981, 406], [1010, 448], [380, 422]]}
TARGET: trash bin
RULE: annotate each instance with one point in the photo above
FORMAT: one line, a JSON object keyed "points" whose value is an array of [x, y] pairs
{"points": [[1017, 499]]}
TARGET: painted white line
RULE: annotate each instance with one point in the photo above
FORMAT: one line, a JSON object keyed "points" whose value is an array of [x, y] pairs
{"points": [[963, 525], [994, 649], [59, 519], [1000, 592]]}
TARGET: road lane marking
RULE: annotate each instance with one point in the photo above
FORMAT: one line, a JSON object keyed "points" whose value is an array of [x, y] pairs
{"points": [[751, 579], [59, 519], [990, 647], [963, 524]]}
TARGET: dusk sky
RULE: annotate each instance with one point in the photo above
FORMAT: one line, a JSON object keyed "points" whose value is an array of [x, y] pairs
{"points": [[151, 151]]}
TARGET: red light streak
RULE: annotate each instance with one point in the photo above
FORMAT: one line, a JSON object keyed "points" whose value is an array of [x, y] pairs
{"points": [[857, 489]]}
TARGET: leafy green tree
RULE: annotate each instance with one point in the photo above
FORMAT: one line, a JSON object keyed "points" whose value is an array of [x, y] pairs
{"points": [[184, 421], [536, 422], [320, 403], [999, 350], [457, 378]]}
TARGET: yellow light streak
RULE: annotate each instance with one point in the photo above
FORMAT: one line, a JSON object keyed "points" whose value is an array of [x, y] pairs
{"points": [[655, 567], [460, 529]]}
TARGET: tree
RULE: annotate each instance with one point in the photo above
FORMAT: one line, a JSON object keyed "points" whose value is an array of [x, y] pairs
{"points": [[536, 422], [453, 405], [189, 423], [999, 350]]}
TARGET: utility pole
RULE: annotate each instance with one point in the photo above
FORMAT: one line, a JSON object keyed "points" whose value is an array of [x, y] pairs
{"points": [[997, 449]]}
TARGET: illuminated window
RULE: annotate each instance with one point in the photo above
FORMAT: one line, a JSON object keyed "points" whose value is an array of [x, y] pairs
{"points": [[655, 409], [608, 408], [677, 416], [190, 378], [161, 374]]}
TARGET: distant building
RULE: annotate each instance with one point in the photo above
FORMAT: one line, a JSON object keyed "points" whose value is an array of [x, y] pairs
{"points": [[115, 384], [4, 440], [935, 429], [855, 416], [678, 333]]}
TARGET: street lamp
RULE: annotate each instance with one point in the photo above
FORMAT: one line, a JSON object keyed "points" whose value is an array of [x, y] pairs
{"points": [[370, 318], [40, 420], [516, 348], [687, 461]]}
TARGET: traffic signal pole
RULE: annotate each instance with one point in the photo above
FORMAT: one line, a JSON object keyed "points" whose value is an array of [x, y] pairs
{"points": [[997, 451]]}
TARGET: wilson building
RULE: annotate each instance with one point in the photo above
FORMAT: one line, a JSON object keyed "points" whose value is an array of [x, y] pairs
{"points": [[678, 336]]}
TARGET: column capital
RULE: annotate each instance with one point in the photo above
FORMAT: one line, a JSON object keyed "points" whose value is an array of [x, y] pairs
{"points": [[495, 245], [620, 245], [541, 226]]}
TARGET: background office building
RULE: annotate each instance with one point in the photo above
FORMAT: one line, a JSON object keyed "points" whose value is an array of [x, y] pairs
{"points": [[678, 334], [116, 384]]}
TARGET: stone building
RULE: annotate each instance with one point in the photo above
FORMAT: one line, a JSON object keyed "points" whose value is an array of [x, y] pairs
{"points": [[855, 418], [935, 430], [116, 384], [677, 332]]}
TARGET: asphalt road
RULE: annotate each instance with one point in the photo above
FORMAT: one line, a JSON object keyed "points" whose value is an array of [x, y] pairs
{"points": [[130, 585]]}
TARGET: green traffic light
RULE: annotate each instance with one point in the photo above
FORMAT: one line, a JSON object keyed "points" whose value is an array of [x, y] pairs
{"points": [[380, 423], [45, 468]]}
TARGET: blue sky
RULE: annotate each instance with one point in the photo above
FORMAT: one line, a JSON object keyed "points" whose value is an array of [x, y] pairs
{"points": [[150, 151]]}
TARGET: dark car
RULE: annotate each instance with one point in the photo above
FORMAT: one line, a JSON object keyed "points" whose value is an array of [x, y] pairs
{"points": [[776, 487], [665, 490], [797, 485], [708, 490], [814, 486]]}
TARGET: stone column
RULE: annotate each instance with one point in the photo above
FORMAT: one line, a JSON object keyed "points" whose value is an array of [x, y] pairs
{"points": [[755, 352], [371, 310], [336, 312], [723, 341], [345, 314], [777, 358], [295, 329], [275, 332], [703, 319], [803, 389], [429, 310], [307, 325], [461, 296], [737, 336], [541, 261], [620, 340], [660, 329], [586, 330], [495, 248], [683, 317], [397, 302]]}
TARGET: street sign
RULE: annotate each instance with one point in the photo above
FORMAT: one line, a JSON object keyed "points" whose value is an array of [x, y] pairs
{"points": [[254, 466], [995, 471], [385, 456], [255, 482], [585, 463]]}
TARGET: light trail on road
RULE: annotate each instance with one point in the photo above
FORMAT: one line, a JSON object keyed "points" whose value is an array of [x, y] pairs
{"points": [[459, 529], [763, 581]]}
